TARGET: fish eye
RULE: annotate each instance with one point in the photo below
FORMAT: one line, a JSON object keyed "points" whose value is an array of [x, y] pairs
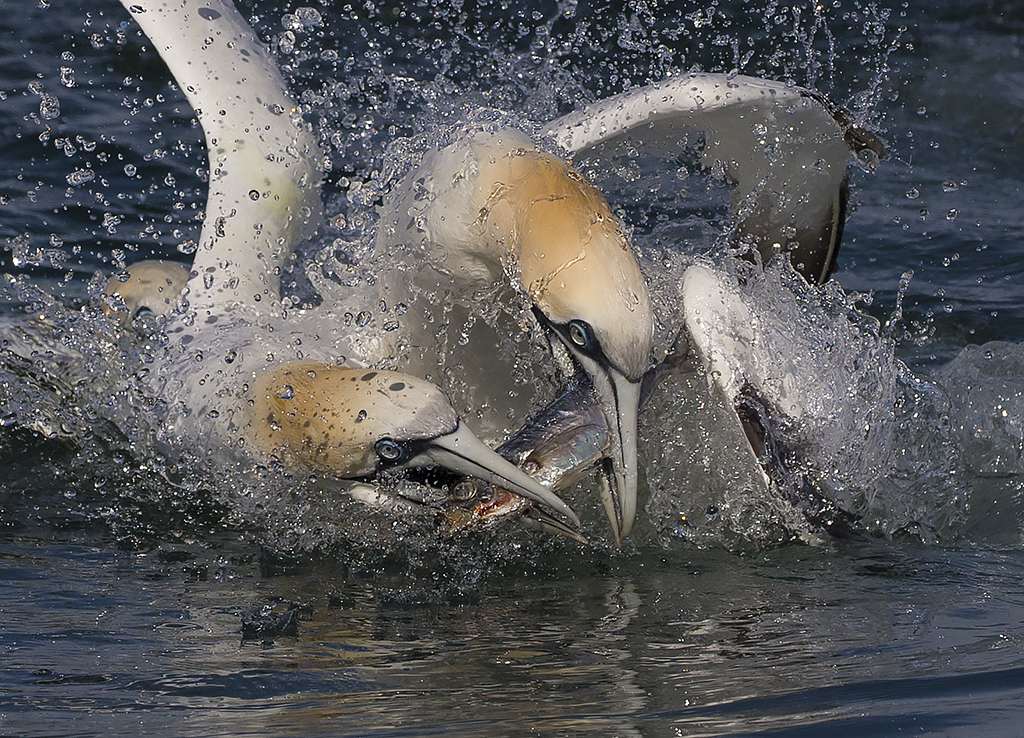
{"points": [[389, 451], [580, 334]]}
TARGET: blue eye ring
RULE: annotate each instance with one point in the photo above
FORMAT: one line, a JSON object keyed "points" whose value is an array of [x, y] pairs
{"points": [[581, 334], [389, 451]]}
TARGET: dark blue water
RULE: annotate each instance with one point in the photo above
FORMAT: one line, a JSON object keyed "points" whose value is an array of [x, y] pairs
{"points": [[133, 601]]}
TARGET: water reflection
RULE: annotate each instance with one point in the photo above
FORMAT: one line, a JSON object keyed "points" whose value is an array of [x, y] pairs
{"points": [[707, 642]]}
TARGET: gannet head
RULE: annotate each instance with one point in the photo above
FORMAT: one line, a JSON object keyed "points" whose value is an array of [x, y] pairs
{"points": [[586, 287], [152, 287], [353, 423]]}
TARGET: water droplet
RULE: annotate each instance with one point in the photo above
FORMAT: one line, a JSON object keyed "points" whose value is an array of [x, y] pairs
{"points": [[286, 392], [363, 319], [913, 193], [361, 416], [80, 177], [254, 195], [67, 76], [49, 107], [950, 186], [286, 42], [867, 159], [130, 169]]}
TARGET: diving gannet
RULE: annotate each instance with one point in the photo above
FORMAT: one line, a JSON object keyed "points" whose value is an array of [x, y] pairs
{"points": [[787, 152], [229, 383], [494, 206]]}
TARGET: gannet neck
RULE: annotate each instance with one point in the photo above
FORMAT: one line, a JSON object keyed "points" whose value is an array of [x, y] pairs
{"points": [[556, 233], [264, 191]]}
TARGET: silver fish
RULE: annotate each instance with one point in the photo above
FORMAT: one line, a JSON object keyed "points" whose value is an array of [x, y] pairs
{"points": [[558, 446]]}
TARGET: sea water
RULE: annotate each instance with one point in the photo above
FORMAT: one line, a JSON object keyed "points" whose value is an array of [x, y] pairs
{"points": [[141, 593]]}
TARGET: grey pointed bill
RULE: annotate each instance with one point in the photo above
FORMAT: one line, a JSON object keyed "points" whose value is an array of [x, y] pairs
{"points": [[540, 520], [462, 452], [620, 401]]}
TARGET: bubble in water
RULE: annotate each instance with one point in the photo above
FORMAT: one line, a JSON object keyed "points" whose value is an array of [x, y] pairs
{"points": [[286, 392], [950, 186], [67, 76]]}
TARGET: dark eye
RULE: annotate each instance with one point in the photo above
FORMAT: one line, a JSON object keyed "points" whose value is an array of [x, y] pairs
{"points": [[580, 334], [389, 451]]}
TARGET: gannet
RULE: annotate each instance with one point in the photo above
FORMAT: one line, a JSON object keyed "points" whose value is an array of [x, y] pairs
{"points": [[494, 204], [226, 379], [146, 287], [786, 150]]}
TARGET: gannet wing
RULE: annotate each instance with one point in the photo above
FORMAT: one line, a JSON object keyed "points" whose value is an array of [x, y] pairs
{"points": [[763, 391], [264, 192], [786, 149]]}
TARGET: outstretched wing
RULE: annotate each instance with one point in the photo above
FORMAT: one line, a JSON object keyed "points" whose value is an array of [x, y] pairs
{"points": [[786, 150]]}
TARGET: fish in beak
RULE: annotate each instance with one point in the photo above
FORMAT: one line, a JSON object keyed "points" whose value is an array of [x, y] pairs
{"points": [[461, 452]]}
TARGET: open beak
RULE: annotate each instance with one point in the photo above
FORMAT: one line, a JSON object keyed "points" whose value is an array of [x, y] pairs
{"points": [[619, 398], [537, 519], [463, 453], [620, 402]]}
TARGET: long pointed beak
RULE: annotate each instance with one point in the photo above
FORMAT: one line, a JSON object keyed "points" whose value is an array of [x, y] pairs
{"points": [[462, 452], [539, 520], [619, 398], [620, 402]]}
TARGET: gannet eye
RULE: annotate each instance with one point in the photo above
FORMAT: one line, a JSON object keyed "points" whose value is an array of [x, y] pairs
{"points": [[580, 334], [389, 451]]}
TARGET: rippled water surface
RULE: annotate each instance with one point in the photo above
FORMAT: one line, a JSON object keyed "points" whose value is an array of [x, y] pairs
{"points": [[135, 598]]}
